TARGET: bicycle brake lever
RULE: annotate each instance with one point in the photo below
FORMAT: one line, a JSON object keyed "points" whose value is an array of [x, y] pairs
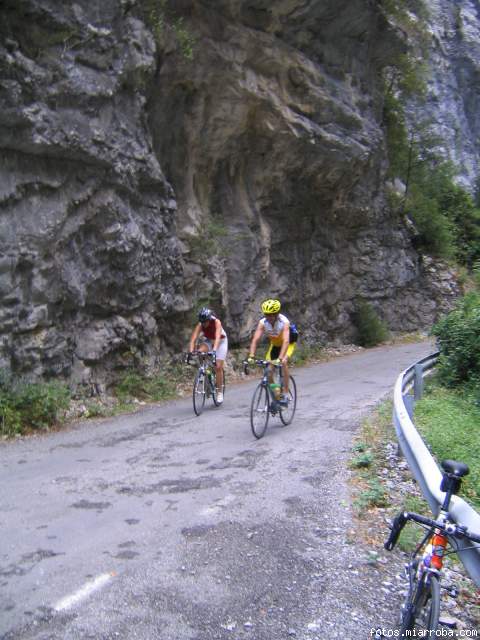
{"points": [[397, 526]]}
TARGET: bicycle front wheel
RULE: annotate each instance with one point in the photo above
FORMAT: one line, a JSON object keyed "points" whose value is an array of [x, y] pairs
{"points": [[422, 608], [199, 393], [260, 411], [287, 413]]}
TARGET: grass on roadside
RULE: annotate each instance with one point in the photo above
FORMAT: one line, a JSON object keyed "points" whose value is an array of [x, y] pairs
{"points": [[448, 421], [368, 455], [377, 441]]}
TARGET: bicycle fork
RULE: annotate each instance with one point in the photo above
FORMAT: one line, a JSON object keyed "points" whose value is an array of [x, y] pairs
{"points": [[419, 570]]}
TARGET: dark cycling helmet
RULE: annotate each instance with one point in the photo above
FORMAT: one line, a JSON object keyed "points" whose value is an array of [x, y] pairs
{"points": [[271, 306], [204, 314]]}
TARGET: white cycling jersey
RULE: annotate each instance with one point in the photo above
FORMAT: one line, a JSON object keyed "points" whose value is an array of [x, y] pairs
{"points": [[274, 332]]}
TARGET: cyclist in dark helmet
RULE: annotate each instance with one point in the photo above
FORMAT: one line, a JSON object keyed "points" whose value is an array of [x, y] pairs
{"points": [[209, 335], [276, 327]]}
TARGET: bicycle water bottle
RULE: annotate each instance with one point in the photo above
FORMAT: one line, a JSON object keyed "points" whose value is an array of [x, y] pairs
{"points": [[275, 387]]}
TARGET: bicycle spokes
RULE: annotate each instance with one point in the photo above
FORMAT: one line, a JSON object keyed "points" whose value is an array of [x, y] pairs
{"points": [[287, 411], [259, 411], [199, 393]]}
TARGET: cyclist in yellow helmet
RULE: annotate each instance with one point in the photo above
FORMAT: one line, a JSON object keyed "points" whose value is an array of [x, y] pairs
{"points": [[276, 327]]}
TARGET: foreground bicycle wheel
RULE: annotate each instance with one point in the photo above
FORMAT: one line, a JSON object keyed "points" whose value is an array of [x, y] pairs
{"points": [[259, 411], [422, 608], [199, 393], [287, 413]]}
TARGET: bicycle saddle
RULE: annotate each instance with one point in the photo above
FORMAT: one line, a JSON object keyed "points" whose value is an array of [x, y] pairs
{"points": [[458, 469]]}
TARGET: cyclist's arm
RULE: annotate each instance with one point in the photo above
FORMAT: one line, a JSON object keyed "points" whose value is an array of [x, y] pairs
{"points": [[286, 341], [194, 336], [256, 337], [218, 334]]}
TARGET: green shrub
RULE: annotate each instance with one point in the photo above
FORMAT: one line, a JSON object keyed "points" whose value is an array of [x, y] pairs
{"points": [[134, 385], [374, 495], [371, 330], [27, 405], [436, 232], [458, 335], [362, 460], [305, 352]]}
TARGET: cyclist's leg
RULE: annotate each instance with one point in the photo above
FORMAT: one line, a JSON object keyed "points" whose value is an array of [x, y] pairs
{"points": [[221, 357], [286, 375], [272, 354]]}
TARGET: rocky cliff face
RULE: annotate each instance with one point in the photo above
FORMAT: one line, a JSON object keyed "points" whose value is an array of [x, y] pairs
{"points": [[453, 86], [138, 181]]}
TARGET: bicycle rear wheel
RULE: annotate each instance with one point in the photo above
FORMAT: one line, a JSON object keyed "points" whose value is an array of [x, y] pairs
{"points": [[199, 393], [422, 607], [287, 413], [259, 411]]}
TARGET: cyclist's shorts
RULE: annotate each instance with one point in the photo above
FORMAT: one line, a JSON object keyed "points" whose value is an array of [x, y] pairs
{"points": [[274, 351], [222, 347]]}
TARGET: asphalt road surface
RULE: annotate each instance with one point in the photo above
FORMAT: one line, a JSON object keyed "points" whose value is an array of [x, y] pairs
{"points": [[163, 525]]}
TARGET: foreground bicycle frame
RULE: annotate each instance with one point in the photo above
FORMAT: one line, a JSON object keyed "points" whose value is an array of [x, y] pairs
{"points": [[264, 404], [421, 610]]}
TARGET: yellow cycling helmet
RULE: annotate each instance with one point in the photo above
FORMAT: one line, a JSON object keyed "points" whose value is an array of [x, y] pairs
{"points": [[271, 306]]}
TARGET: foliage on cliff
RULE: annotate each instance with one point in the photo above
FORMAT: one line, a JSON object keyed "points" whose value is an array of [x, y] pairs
{"points": [[458, 334], [446, 217]]}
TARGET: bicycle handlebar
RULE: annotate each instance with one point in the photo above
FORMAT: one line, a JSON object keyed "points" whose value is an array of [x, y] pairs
{"points": [[455, 530], [262, 363], [259, 363]]}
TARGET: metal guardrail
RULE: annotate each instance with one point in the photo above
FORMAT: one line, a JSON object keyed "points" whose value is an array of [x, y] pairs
{"points": [[408, 388]]}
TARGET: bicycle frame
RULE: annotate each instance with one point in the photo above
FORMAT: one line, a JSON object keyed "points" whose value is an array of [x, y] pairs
{"points": [[205, 381], [267, 377], [265, 402]]}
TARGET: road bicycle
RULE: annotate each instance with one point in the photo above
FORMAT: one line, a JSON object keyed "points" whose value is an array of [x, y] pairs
{"points": [[265, 403], [421, 610], [205, 382]]}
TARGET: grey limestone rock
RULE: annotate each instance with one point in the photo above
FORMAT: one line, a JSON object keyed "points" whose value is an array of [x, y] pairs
{"points": [[138, 180]]}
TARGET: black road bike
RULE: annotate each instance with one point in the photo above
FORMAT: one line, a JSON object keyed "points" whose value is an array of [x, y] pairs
{"points": [[264, 401], [421, 610], [205, 382]]}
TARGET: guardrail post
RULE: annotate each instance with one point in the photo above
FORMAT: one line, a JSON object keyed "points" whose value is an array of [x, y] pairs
{"points": [[418, 382], [409, 402]]}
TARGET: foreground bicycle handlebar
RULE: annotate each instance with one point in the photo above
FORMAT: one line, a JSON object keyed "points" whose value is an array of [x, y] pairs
{"points": [[421, 609], [449, 528]]}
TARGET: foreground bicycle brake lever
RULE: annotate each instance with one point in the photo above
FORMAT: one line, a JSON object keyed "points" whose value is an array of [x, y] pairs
{"points": [[397, 526]]}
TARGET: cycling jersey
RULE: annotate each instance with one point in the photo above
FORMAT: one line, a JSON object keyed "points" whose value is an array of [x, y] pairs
{"points": [[211, 331], [275, 332], [209, 334]]}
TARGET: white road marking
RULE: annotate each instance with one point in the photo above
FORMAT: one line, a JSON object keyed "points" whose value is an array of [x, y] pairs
{"points": [[84, 592]]}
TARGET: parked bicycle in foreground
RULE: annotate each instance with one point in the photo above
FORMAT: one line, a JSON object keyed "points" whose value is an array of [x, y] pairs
{"points": [[205, 382], [266, 400], [421, 610]]}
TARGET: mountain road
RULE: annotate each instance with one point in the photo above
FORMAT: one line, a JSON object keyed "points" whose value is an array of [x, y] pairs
{"points": [[164, 525]]}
